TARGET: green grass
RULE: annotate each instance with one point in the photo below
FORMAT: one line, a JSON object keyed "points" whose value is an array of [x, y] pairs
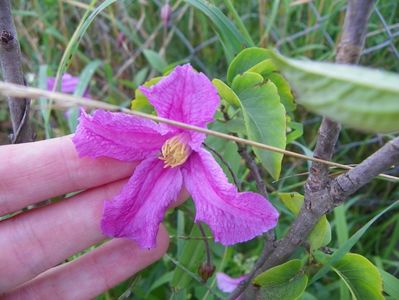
{"points": [[47, 27]]}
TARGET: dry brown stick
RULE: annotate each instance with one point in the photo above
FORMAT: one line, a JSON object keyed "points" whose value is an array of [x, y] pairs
{"points": [[318, 199], [10, 60]]}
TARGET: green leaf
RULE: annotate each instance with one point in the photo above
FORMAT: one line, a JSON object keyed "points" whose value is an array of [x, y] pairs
{"points": [[191, 258], [155, 60], [165, 278], [283, 282], [84, 81], [345, 248], [77, 36], [295, 131], [231, 39], [140, 101], [321, 234], [226, 93], [360, 276], [264, 68], [264, 117], [258, 60], [284, 90], [247, 59], [357, 97], [43, 103], [391, 284]]}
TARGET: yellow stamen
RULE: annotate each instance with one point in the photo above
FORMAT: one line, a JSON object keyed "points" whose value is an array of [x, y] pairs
{"points": [[175, 152]]}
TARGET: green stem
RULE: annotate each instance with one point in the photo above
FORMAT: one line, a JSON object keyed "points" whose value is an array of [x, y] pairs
{"points": [[240, 24]]}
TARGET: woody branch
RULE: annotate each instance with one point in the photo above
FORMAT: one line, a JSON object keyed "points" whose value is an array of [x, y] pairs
{"points": [[11, 67]]}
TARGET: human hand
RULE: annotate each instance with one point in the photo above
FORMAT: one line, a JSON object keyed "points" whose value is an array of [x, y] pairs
{"points": [[35, 243]]}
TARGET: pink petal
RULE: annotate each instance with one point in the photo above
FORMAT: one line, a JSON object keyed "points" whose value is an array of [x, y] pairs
{"points": [[187, 96], [233, 217], [139, 209], [118, 136], [68, 83], [226, 283]]}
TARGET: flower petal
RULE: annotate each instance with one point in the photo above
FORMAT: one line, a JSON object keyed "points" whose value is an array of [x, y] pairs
{"points": [[226, 283], [187, 96], [233, 217], [139, 209], [68, 83], [118, 136]]}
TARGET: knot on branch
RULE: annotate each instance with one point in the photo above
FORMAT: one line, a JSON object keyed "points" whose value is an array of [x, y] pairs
{"points": [[318, 200], [348, 53], [7, 39]]}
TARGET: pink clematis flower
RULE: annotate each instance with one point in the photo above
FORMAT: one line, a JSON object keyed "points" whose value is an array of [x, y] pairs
{"points": [[170, 159], [226, 283], [68, 84]]}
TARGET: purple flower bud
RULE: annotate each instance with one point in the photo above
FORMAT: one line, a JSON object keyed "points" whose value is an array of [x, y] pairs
{"points": [[166, 12]]}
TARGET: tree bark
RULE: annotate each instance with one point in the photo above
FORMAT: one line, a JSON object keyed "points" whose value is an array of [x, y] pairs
{"points": [[11, 66]]}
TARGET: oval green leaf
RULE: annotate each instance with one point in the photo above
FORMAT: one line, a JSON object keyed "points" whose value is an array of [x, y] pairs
{"points": [[140, 101], [357, 97], [226, 93], [156, 61], [283, 282], [264, 117], [247, 59], [360, 276], [321, 234], [391, 284]]}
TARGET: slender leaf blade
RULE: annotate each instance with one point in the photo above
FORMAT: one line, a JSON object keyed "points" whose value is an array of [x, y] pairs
{"points": [[347, 246], [231, 38]]}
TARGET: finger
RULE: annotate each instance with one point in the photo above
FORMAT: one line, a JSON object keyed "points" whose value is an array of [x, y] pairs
{"points": [[40, 239], [94, 272], [37, 171], [33, 242]]}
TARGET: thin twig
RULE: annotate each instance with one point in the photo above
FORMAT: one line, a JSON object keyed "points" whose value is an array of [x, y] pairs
{"points": [[207, 248], [253, 167], [191, 274], [35, 93], [226, 163]]}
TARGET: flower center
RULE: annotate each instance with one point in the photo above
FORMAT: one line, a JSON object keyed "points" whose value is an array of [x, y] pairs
{"points": [[175, 152]]}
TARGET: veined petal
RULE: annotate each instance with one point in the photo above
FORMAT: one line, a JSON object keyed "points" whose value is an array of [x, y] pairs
{"points": [[233, 217], [118, 136], [226, 283], [139, 209], [187, 96]]}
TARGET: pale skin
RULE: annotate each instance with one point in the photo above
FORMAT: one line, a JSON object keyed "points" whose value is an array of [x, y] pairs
{"points": [[34, 244]]}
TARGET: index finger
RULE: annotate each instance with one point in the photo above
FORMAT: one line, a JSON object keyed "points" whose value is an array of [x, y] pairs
{"points": [[36, 171]]}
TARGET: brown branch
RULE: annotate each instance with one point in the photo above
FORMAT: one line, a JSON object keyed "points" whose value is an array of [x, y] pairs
{"points": [[226, 163], [10, 60], [318, 199], [348, 183], [254, 169]]}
